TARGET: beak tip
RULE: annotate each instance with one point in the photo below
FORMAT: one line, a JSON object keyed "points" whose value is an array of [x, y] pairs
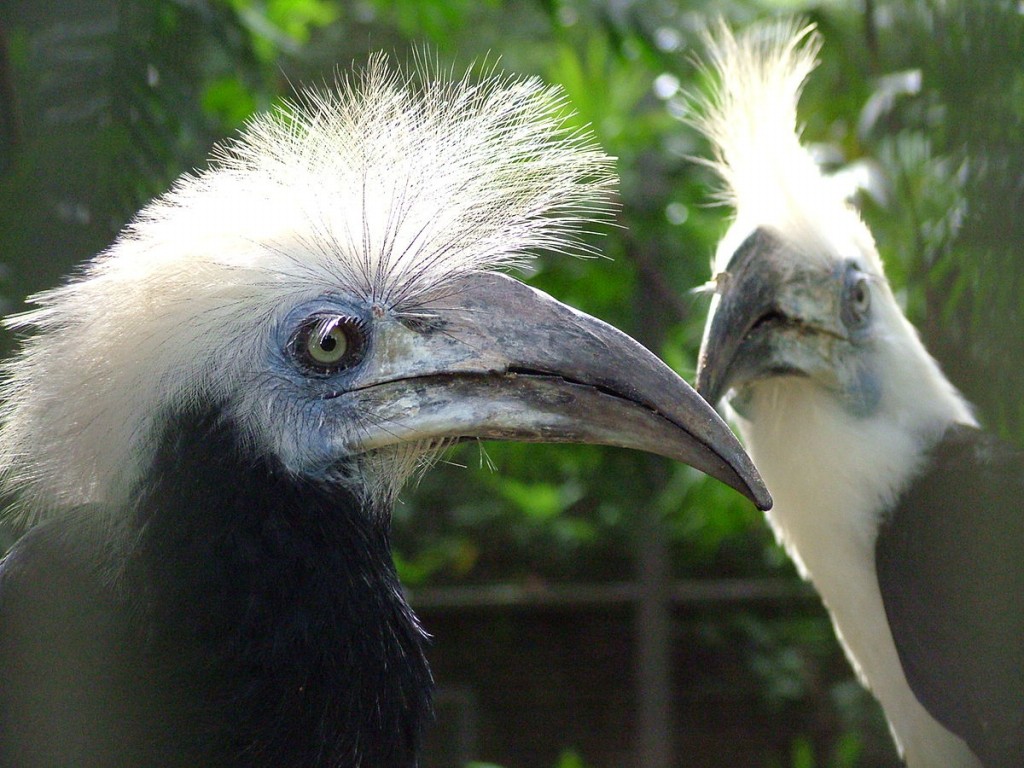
{"points": [[751, 485], [761, 497], [750, 482]]}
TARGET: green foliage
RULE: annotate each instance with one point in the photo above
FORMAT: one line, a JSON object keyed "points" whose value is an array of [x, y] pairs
{"points": [[439, 22], [954, 149], [227, 101], [568, 759], [846, 754], [283, 26]]}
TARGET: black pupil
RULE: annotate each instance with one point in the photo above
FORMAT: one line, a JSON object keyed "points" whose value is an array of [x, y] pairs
{"points": [[328, 343]]}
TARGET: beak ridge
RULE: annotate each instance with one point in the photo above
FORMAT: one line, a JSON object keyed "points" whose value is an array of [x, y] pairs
{"points": [[748, 291], [541, 371]]}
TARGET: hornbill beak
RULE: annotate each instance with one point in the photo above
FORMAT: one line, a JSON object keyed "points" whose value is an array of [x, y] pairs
{"points": [[745, 296], [771, 316], [492, 358]]}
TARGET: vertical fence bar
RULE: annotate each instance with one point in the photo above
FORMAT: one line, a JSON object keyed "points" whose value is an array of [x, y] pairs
{"points": [[653, 629]]}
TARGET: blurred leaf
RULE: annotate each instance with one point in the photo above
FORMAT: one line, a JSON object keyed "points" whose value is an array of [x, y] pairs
{"points": [[229, 101], [455, 555], [802, 754], [540, 501], [282, 26], [436, 19], [570, 759], [848, 751]]}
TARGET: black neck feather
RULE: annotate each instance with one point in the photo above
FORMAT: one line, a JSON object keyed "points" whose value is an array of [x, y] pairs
{"points": [[278, 628]]}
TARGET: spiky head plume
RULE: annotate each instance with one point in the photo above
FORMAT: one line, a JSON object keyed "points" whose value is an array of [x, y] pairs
{"points": [[383, 188], [750, 117]]}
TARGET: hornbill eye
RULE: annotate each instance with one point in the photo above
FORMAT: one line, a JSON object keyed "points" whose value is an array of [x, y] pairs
{"points": [[860, 298], [856, 302], [328, 344]]}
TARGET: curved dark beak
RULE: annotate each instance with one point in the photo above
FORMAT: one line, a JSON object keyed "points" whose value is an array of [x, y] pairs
{"points": [[496, 359], [745, 298]]}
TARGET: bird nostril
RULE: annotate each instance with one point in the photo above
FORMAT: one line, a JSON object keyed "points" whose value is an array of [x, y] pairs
{"points": [[771, 317]]}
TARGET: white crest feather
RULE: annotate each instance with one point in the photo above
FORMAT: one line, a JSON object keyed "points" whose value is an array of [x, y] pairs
{"points": [[384, 187], [750, 117]]}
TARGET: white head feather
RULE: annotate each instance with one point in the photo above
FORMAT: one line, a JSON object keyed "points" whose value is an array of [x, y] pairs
{"points": [[384, 187], [751, 119]]}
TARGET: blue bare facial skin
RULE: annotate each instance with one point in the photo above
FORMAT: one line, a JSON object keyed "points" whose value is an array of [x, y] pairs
{"points": [[775, 320]]}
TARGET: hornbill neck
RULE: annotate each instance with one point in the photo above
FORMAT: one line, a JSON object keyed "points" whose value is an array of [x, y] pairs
{"points": [[276, 622]]}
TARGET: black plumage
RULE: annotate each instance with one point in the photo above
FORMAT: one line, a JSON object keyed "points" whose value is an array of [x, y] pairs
{"points": [[258, 621], [950, 563]]}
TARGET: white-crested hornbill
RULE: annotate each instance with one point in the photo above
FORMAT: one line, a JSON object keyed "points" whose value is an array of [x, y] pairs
{"points": [[902, 512], [204, 431]]}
